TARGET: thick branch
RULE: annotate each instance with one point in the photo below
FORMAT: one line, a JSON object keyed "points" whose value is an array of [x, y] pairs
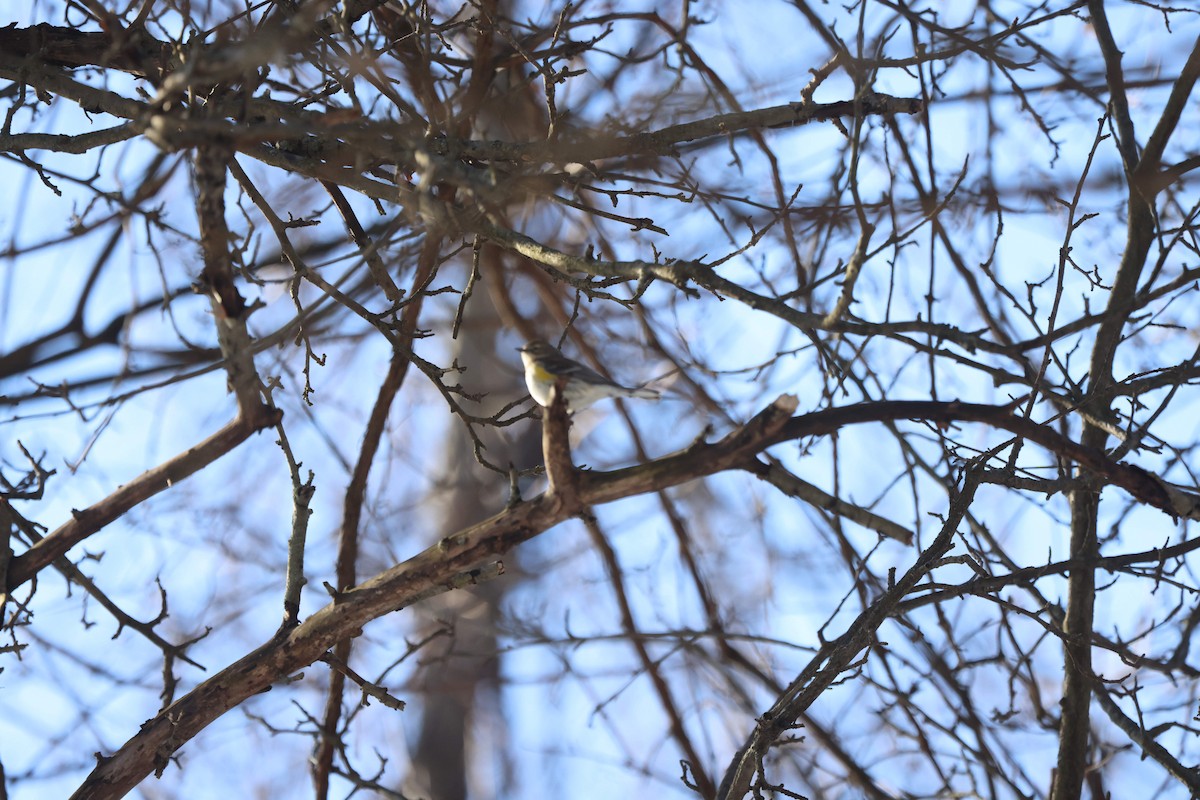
{"points": [[441, 567], [561, 473]]}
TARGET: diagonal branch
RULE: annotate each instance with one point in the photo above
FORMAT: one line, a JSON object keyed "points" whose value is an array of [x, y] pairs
{"points": [[837, 655], [93, 518], [450, 563]]}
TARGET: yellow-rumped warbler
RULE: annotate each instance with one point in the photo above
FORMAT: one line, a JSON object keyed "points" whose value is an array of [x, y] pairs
{"points": [[584, 386]]}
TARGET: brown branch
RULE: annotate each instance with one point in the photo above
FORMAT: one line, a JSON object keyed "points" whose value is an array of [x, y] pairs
{"points": [[438, 567], [561, 473], [837, 655], [90, 520], [71, 48], [792, 485], [302, 495], [228, 306], [736, 449], [1075, 727], [369, 250], [63, 143], [50, 79], [1168, 121], [442, 566], [1146, 742]]}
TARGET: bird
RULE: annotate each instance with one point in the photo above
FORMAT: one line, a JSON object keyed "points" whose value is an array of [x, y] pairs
{"points": [[544, 365]]}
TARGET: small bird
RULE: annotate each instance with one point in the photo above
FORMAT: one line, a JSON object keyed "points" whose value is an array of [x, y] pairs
{"points": [[544, 364]]}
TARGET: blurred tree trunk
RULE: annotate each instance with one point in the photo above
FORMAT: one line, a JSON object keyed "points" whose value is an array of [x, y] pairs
{"points": [[459, 675]]}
